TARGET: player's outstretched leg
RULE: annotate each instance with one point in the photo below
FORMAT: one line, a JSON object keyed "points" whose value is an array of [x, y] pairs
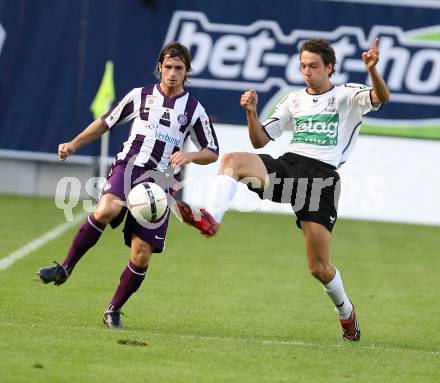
{"points": [[86, 237], [234, 167], [207, 221], [201, 219]]}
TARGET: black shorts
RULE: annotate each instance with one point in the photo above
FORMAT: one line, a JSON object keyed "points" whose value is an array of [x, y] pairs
{"points": [[312, 187]]}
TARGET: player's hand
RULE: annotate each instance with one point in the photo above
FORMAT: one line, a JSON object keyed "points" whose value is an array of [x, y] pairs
{"points": [[249, 100], [371, 57], [180, 159], [65, 150]]}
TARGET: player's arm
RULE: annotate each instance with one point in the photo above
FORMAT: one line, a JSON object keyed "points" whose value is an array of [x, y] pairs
{"points": [[204, 156], [95, 130], [380, 93], [257, 135], [204, 139]]}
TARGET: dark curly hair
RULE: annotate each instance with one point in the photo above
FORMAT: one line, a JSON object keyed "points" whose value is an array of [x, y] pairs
{"points": [[323, 48]]}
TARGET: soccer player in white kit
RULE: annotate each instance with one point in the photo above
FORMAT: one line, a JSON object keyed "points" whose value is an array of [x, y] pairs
{"points": [[162, 116], [326, 120]]}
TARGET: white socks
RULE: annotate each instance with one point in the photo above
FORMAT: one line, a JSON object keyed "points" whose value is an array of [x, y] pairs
{"points": [[221, 193], [335, 290]]}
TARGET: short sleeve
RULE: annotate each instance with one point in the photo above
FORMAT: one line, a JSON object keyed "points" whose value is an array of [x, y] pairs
{"points": [[122, 111], [359, 94], [281, 116], [202, 131]]}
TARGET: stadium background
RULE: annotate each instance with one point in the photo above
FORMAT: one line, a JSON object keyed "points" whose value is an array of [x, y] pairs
{"points": [[232, 309], [54, 55]]}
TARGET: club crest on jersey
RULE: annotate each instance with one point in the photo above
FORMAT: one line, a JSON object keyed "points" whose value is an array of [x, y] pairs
{"points": [[182, 119], [331, 107]]}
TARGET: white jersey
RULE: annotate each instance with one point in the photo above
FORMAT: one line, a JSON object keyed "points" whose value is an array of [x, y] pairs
{"points": [[160, 126], [325, 126]]}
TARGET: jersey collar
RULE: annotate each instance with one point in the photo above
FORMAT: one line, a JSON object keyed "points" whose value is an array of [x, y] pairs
{"points": [[319, 94], [170, 98]]}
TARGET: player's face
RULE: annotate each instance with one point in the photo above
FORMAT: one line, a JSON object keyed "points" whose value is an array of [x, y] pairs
{"points": [[315, 73], [173, 72]]}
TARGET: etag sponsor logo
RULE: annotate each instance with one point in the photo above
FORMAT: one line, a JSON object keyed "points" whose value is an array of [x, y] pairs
{"points": [[263, 57], [320, 129]]}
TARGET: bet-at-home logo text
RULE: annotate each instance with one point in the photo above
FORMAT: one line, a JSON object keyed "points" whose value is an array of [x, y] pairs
{"points": [[263, 57], [320, 129]]}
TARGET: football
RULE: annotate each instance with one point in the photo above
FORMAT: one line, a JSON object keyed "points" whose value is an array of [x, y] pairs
{"points": [[147, 202]]}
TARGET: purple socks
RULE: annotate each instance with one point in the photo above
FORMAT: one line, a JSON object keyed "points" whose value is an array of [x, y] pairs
{"points": [[87, 235], [130, 281]]}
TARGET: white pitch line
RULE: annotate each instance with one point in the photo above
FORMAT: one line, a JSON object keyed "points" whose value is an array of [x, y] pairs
{"points": [[288, 342], [38, 242], [261, 341]]}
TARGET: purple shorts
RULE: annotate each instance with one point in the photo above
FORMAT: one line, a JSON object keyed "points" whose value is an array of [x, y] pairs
{"points": [[119, 182]]}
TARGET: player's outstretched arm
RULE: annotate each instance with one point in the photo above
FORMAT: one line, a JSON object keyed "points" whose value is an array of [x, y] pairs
{"points": [[257, 135], [95, 130], [380, 92]]}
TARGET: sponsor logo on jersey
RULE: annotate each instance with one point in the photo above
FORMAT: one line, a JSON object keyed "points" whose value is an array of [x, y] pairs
{"points": [[320, 129], [166, 115], [167, 138]]}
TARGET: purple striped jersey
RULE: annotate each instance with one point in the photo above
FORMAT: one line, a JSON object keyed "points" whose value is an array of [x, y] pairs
{"points": [[160, 126]]}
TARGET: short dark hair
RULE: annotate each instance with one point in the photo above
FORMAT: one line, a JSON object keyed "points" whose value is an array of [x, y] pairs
{"points": [[323, 48], [171, 50]]}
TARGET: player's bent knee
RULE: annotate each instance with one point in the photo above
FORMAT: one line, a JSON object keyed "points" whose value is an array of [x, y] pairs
{"points": [[141, 252], [322, 271], [108, 208], [318, 270], [230, 161], [105, 215]]}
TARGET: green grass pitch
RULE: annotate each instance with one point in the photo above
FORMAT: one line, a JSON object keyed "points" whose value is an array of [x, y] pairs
{"points": [[240, 307]]}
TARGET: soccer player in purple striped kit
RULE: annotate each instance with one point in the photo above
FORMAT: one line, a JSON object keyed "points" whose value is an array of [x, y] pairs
{"points": [[162, 117]]}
